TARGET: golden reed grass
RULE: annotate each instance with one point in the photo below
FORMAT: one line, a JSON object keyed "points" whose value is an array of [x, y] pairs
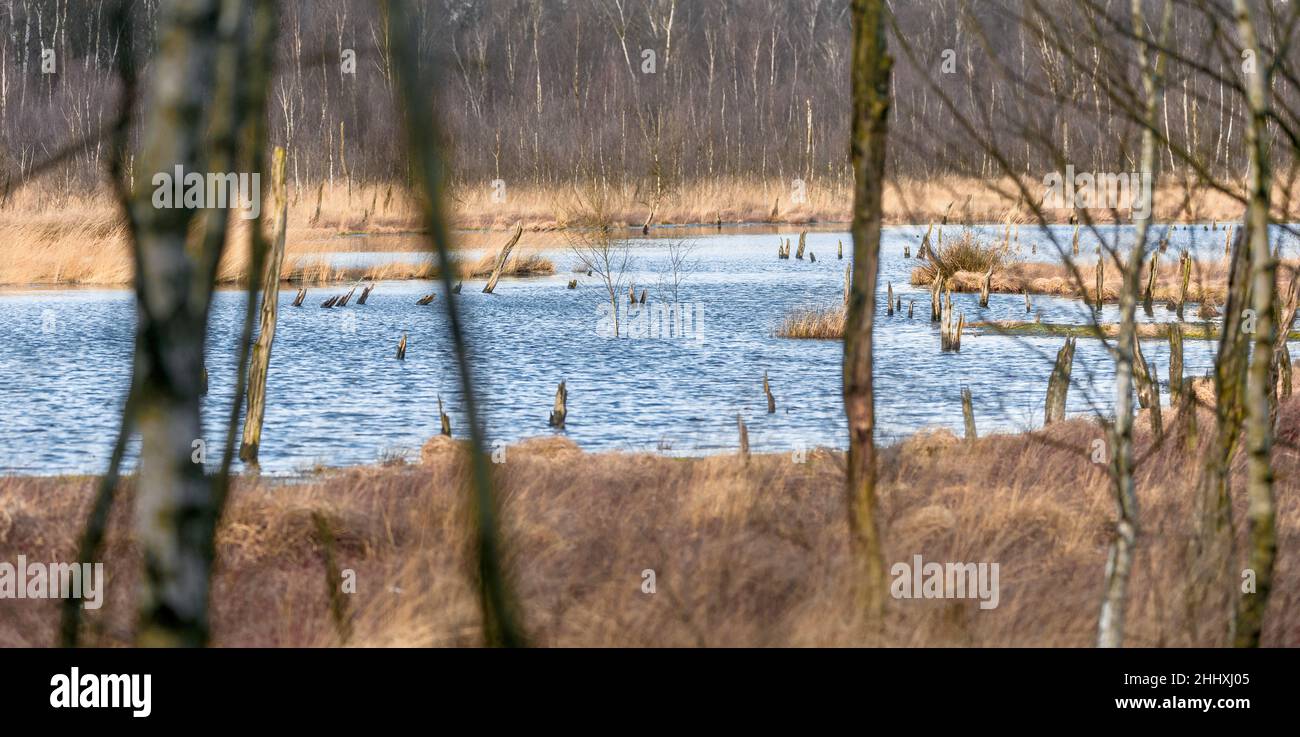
{"points": [[51, 238], [1208, 282], [744, 554], [813, 323]]}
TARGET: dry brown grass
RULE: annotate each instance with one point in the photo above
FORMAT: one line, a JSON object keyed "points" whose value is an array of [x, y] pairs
{"points": [[813, 323], [86, 245], [744, 554], [1208, 282], [49, 238], [519, 264]]}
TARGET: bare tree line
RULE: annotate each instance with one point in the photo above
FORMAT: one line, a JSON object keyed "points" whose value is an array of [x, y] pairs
{"points": [[651, 94]]}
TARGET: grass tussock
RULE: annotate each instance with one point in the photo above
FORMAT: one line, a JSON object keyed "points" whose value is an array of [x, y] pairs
{"points": [[966, 253], [813, 323], [732, 546]]}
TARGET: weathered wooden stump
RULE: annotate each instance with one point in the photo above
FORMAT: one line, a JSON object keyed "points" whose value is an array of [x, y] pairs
{"points": [[344, 301], [936, 303], [502, 256], [573, 284], [1148, 389], [401, 348], [771, 400], [840, 254], [302, 294], [1058, 386], [986, 287], [1185, 264], [426, 299], [443, 419], [812, 257], [459, 284], [365, 295], [1101, 281], [803, 242], [968, 414], [848, 271], [329, 302], [1149, 294], [1175, 362], [925, 251], [889, 299], [561, 408]]}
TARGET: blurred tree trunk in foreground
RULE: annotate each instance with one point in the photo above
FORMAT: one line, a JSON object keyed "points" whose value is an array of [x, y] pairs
{"points": [[1110, 624], [175, 509], [500, 625], [1249, 619]]}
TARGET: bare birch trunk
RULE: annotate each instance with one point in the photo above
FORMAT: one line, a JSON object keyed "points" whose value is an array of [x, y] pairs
{"points": [[174, 507], [870, 73]]}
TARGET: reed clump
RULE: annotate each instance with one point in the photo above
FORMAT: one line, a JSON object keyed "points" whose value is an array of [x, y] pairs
{"points": [[813, 323], [966, 253]]}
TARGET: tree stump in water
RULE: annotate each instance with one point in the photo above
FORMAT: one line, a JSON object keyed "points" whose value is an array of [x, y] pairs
{"points": [[1151, 283], [889, 298], [443, 419], [302, 294], [803, 241], [1058, 386], [986, 287], [968, 413], [573, 284], [1101, 280], [771, 400], [1175, 362], [365, 295], [426, 299], [502, 256], [561, 409], [401, 348]]}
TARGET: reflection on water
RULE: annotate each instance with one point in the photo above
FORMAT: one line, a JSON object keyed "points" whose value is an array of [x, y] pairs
{"points": [[337, 396]]}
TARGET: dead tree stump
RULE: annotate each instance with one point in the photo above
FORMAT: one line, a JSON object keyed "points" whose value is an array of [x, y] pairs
{"points": [[502, 256], [1058, 386], [561, 409]]}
